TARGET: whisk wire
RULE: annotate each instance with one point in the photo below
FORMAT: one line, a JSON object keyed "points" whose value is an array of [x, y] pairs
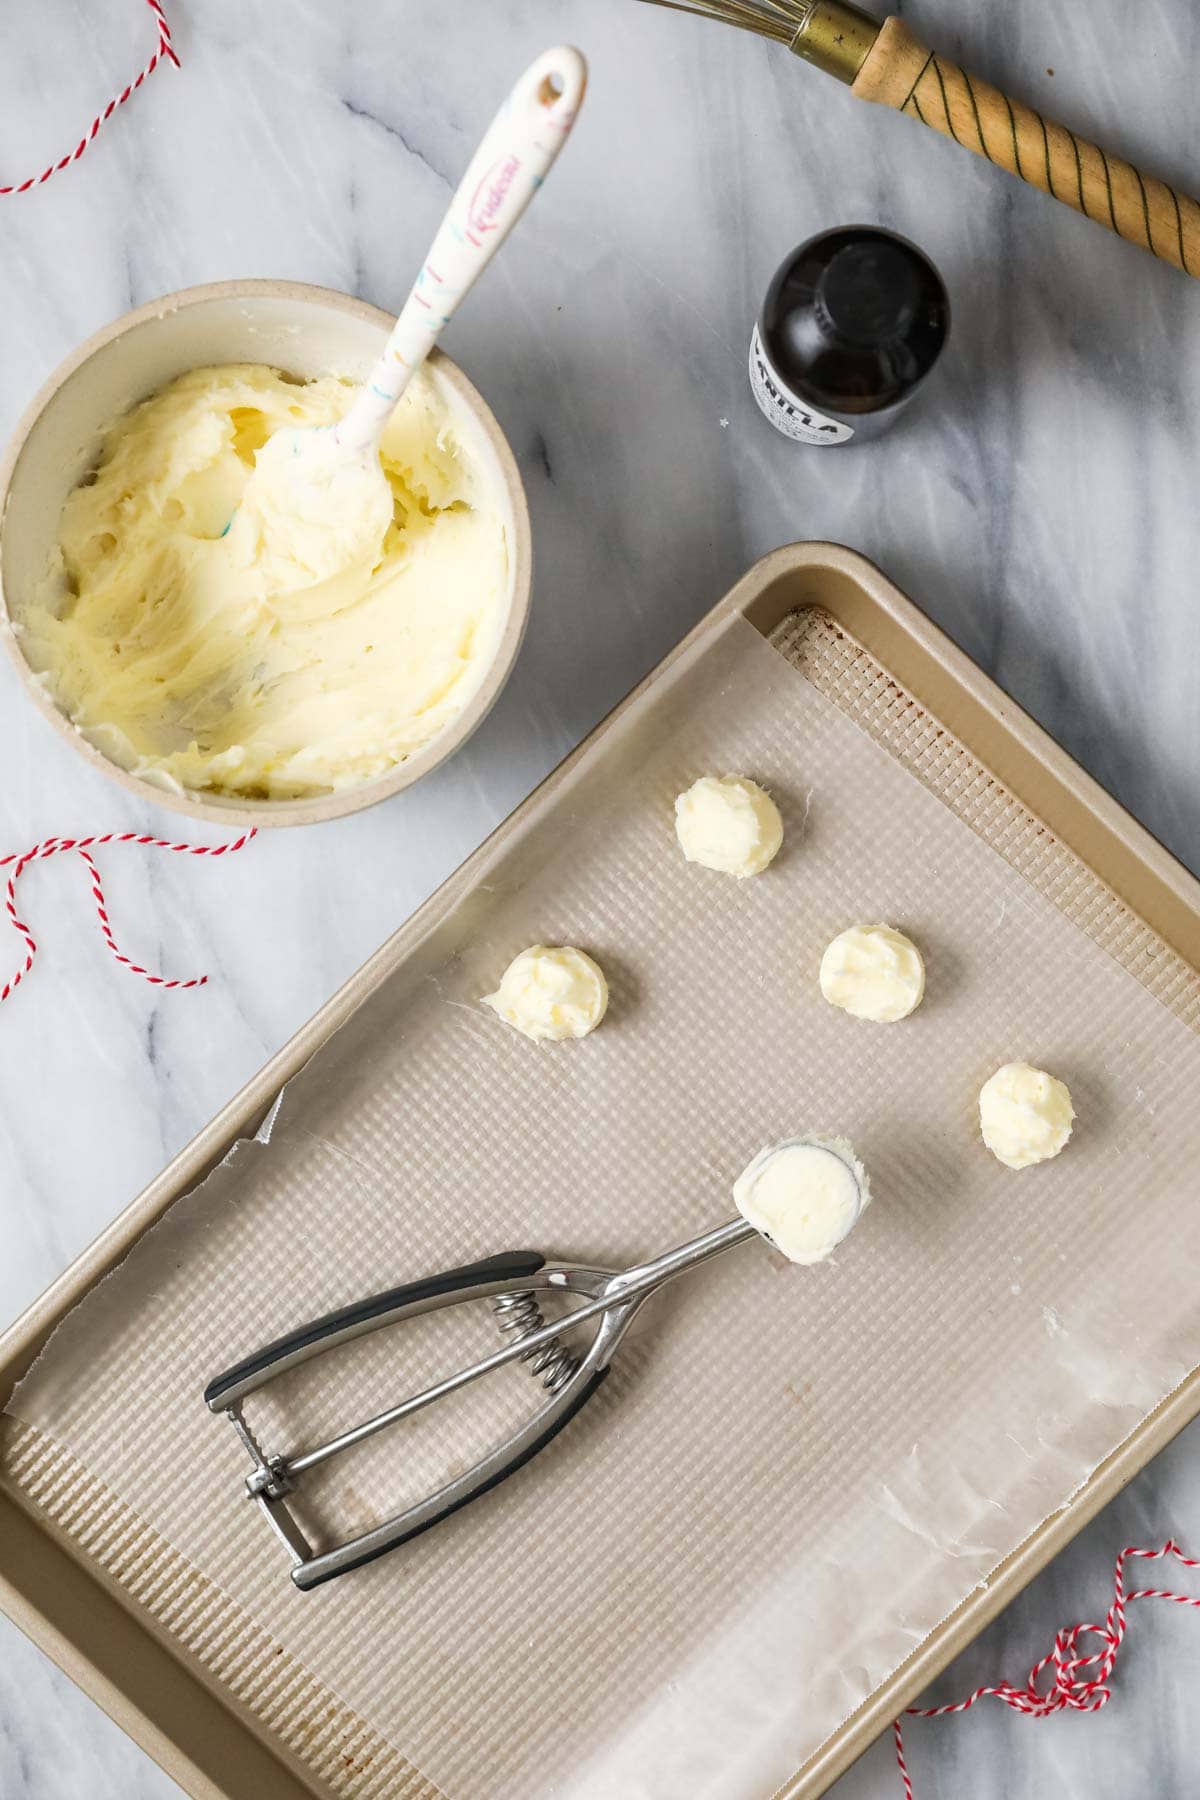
{"points": [[781, 20]]}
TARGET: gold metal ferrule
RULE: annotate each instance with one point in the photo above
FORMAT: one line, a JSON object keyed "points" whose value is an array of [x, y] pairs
{"points": [[836, 37]]}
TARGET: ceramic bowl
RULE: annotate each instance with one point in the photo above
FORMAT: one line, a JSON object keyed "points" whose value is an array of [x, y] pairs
{"points": [[305, 331]]}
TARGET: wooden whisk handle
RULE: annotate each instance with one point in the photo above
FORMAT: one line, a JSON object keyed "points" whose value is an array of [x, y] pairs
{"points": [[899, 71]]}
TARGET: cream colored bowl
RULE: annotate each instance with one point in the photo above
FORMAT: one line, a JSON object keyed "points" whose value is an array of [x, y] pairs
{"points": [[306, 331]]}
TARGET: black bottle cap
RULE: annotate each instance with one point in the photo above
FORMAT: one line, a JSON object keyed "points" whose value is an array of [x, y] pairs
{"points": [[869, 292]]}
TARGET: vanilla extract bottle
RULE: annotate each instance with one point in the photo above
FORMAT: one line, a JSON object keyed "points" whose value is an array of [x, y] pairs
{"points": [[852, 324]]}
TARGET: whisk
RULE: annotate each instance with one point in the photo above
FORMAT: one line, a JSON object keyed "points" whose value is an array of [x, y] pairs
{"points": [[886, 63]]}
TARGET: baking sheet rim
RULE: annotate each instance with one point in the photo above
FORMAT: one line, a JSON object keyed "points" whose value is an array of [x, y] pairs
{"points": [[20, 1343]]}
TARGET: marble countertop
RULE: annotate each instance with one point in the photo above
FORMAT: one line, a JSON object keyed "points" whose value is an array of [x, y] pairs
{"points": [[1039, 505]]}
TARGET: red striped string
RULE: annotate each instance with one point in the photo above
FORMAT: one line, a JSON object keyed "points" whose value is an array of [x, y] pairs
{"points": [[163, 52], [83, 846], [1070, 1688]]}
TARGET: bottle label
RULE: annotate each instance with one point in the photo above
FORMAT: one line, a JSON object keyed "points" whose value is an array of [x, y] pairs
{"points": [[786, 411]]}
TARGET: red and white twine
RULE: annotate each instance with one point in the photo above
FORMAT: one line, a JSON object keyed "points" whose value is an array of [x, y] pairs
{"points": [[163, 52], [83, 847], [1071, 1689]]}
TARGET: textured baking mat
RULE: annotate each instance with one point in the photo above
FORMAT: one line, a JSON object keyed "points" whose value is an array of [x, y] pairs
{"points": [[792, 1475]]}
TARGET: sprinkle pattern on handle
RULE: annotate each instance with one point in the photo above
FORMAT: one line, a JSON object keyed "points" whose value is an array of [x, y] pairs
{"points": [[902, 73], [505, 173]]}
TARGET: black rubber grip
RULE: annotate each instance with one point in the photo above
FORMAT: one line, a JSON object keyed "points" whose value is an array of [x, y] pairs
{"points": [[518, 1462], [513, 1265]]}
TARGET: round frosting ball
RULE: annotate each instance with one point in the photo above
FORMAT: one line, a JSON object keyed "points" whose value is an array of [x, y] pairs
{"points": [[1025, 1115], [551, 994], [728, 823], [874, 973], [804, 1195]]}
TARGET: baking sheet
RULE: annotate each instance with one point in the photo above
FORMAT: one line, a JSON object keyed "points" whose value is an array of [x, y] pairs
{"points": [[792, 1475]]}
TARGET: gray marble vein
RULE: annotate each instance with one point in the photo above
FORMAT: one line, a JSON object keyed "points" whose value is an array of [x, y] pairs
{"points": [[1040, 505]]}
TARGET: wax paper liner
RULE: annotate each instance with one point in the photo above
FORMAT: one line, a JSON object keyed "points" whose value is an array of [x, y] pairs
{"points": [[792, 1474]]}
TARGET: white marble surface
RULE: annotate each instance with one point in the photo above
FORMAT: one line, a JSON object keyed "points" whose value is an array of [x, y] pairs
{"points": [[1039, 505]]}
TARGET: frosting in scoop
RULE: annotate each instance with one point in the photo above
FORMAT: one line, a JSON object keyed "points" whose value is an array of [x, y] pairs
{"points": [[805, 1195], [204, 631]]}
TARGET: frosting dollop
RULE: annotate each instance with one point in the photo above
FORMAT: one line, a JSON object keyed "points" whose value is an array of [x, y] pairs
{"points": [[873, 972], [551, 993], [1025, 1115], [728, 823]]}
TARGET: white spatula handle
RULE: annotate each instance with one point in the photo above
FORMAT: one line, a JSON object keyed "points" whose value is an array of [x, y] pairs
{"points": [[506, 171]]}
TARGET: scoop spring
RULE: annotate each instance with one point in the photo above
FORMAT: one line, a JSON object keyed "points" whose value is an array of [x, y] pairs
{"points": [[518, 1316]]}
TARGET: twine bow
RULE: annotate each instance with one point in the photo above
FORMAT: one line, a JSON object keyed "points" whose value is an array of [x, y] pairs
{"points": [[1080, 1683]]}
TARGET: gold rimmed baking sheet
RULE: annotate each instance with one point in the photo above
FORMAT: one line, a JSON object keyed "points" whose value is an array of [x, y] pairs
{"points": [[699, 1561]]}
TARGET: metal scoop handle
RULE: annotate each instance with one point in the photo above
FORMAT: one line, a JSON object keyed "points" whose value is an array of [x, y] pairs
{"points": [[611, 1296], [273, 1477], [311, 1571], [474, 1281]]}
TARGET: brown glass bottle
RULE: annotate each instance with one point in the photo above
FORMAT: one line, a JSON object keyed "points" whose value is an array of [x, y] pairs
{"points": [[852, 324]]}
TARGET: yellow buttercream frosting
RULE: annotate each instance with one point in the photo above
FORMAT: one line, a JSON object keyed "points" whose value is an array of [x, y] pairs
{"points": [[1025, 1115], [728, 823], [551, 993], [805, 1195], [873, 972], [208, 637]]}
